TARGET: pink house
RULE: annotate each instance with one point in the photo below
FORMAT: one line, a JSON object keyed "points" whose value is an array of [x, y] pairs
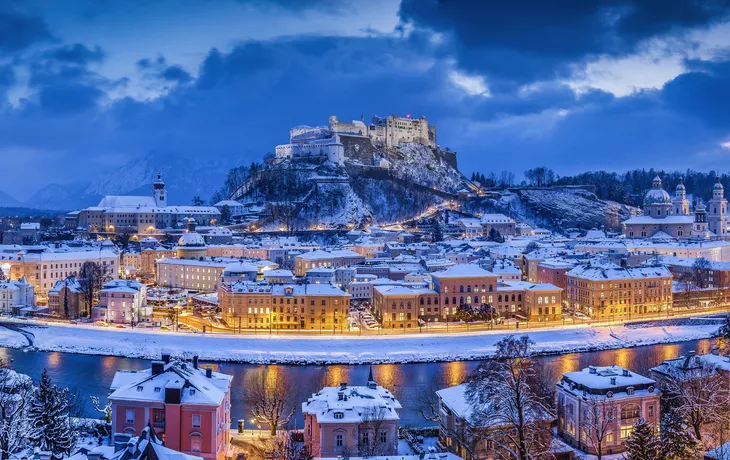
{"points": [[188, 406], [123, 302], [351, 421]]}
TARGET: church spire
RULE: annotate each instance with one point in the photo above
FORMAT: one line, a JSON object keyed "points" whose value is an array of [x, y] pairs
{"points": [[371, 380]]}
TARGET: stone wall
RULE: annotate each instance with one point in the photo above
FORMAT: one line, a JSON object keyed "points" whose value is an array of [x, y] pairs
{"points": [[357, 148]]}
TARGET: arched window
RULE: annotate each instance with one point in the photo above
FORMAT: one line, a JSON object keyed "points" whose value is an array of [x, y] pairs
{"points": [[436, 300], [453, 300], [490, 288], [513, 297], [421, 301], [484, 299], [393, 304], [630, 411], [461, 300], [539, 300], [519, 297], [461, 288], [468, 288], [476, 299], [446, 301]]}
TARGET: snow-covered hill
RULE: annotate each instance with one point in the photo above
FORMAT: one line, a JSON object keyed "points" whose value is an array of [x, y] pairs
{"points": [[411, 178], [561, 208]]}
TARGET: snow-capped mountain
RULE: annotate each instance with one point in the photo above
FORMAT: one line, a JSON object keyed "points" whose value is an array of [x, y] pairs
{"points": [[7, 201], [184, 178]]}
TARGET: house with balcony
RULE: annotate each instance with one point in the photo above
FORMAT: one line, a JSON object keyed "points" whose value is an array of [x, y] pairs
{"points": [[351, 421], [599, 406]]}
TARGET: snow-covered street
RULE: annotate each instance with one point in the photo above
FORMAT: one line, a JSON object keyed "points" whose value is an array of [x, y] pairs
{"points": [[327, 349]]}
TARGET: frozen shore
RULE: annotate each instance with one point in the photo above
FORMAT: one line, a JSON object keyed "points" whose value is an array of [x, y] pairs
{"points": [[325, 349]]}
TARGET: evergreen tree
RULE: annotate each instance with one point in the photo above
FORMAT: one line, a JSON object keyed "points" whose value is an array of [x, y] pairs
{"points": [[495, 236], [49, 419], [642, 444], [677, 441], [66, 311], [225, 214]]}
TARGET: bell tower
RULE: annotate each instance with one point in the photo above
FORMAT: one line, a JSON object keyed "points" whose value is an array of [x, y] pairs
{"points": [[158, 192], [717, 212]]}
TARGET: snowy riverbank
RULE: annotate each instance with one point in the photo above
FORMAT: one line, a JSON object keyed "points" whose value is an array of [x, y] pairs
{"points": [[347, 349]]}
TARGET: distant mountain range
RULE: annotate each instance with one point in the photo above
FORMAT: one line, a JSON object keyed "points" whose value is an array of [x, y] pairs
{"points": [[184, 179]]}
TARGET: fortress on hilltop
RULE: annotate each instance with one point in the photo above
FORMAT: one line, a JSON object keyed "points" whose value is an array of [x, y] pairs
{"points": [[357, 141]]}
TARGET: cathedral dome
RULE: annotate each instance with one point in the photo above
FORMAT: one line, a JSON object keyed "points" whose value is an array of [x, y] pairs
{"points": [[718, 185], [191, 239], [657, 195]]}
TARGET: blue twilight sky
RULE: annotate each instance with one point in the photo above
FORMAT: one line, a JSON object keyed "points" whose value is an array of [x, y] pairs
{"points": [[85, 86]]}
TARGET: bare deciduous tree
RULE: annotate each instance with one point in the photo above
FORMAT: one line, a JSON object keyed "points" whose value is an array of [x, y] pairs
{"points": [[271, 398], [373, 431], [598, 421], [279, 447], [506, 405], [92, 277], [427, 401], [700, 395]]}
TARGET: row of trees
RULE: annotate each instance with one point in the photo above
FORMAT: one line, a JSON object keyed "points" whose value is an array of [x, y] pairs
{"points": [[41, 416], [629, 187], [513, 401]]}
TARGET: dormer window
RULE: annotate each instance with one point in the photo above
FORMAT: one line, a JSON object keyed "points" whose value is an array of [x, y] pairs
{"points": [[339, 415], [192, 391], [158, 389], [139, 387], [630, 391]]}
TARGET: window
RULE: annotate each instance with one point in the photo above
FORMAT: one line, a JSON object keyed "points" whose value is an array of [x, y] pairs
{"points": [[365, 439], [339, 415], [383, 437], [338, 439], [630, 411], [626, 431], [130, 415], [196, 420]]}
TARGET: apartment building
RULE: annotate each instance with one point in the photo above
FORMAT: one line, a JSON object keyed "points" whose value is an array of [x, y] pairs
{"points": [[619, 293], [246, 304]]}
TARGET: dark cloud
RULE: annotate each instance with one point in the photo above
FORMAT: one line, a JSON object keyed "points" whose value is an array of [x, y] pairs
{"points": [[19, 31], [159, 69], [526, 40], [68, 99], [75, 54]]}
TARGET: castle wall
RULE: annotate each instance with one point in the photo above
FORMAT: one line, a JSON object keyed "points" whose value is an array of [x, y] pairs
{"points": [[357, 148]]}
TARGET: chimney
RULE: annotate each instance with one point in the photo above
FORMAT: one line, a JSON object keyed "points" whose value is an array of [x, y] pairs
{"points": [[195, 361], [157, 367], [613, 380], [343, 385], [209, 372], [165, 357]]}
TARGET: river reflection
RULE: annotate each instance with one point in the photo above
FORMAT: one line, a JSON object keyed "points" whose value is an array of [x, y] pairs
{"points": [[92, 375]]}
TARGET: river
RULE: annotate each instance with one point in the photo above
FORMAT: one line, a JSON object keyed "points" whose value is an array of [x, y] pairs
{"points": [[92, 375]]}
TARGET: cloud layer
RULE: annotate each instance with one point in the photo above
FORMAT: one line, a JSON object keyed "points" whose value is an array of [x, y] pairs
{"points": [[509, 85]]}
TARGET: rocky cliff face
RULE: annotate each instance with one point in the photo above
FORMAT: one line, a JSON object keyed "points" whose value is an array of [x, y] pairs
{"points": [[301, 194]]}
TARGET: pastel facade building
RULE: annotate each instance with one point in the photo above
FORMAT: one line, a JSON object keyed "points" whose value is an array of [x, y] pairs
{"points": [[15, 294], [141, 215], [122, 302], [619, 293], [335, 259], [610, 397], [43, 269], [68, 294], [246, 304], [188, 406], [352, 421]]}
